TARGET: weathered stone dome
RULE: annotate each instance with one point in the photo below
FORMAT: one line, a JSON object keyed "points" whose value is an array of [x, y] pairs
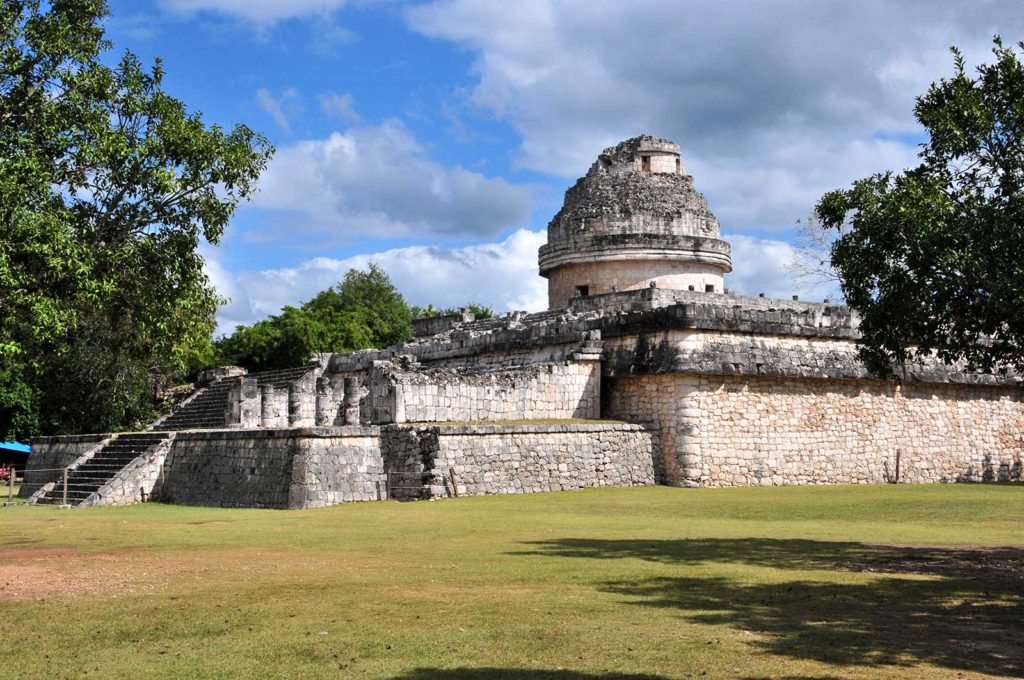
{"points": [[633, 221]]}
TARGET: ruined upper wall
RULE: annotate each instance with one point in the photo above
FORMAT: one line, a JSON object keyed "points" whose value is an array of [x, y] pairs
{"points": [[624, 194], [667, 331]]}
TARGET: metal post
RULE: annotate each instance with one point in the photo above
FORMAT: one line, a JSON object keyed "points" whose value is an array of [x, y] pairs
{"points": [[65, 501]]}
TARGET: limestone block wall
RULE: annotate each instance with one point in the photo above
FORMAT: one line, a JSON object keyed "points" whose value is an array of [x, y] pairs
{"points": [[543, 391], [611, 276], [339, 465], [476, 460], [290, 468], [50, 455], [735, 431]]}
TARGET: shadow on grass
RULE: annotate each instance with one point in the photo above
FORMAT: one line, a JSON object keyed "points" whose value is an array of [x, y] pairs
{"points": [[518, 674], [960, 609]]}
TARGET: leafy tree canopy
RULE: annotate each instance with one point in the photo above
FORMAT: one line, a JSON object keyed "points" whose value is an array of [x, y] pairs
{"points": [[107, 187], [932, 256], [364, 311]]}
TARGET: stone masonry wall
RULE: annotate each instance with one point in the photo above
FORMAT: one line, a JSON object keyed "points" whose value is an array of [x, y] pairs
{"points": [[736, 431], [607, 277], [476, 460], [339, 465], [292, 468], [542, 391]]}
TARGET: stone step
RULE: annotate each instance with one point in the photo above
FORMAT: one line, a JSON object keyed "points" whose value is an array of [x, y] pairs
{"points": [[102, 467]]}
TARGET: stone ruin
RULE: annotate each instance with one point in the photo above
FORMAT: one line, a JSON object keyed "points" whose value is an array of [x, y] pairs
{"points": [[644, 370]]}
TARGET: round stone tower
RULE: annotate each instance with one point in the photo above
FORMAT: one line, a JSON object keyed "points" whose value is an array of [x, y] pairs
{"points": [[633, 221]]}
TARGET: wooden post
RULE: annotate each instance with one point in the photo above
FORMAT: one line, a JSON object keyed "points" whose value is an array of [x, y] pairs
{"points": [[10, 487], [65, 500], [455, 486], [897, 465]]}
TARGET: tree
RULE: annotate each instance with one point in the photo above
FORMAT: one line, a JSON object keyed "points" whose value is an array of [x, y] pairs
{"points": [[374, 300], [811, 267], [364, 311], [107, 187], [932, 257]]}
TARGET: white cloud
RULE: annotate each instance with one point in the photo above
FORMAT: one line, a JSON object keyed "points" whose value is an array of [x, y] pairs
{"points": [[339, 106], [279, 107], [256, 11], [502, 275], [762, 266], [772, 102], [378, 181]]}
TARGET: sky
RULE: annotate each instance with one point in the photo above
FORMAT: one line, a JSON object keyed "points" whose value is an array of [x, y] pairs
{"points": [[437, 138]]}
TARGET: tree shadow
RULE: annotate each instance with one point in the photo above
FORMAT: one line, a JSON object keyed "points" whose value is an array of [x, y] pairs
{"points": [[516, 673], [961, 609]]}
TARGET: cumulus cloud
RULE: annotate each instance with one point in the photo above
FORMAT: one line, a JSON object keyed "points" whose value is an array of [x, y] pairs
{"points": [[773, 103], [256, 11], [378, 181], [502, 275]]}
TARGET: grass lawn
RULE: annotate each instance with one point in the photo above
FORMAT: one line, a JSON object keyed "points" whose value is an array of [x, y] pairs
{"points": [[811, 583]]}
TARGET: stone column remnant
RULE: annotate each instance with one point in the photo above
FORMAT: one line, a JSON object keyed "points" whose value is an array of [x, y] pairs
{"points": [[350, 405], [326, 404], [268, 414], [248, 403]]}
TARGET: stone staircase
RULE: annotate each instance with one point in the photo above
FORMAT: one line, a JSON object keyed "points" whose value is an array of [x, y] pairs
{"points": [[281, 378], [205, 411], [101, 468]]}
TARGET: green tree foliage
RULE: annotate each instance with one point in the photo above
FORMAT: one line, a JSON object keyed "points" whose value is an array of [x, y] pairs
{"points": [[932, 259], [107, 187], [364, 311]]}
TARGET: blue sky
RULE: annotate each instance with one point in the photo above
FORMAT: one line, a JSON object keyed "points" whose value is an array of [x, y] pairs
{"points": [[437, 138]]}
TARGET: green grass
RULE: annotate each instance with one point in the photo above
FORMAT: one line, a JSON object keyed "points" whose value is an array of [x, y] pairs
{"points": [[9, 495], [812, 583]]}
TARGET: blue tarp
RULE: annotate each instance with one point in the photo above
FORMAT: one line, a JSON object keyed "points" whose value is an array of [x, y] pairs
{"points": [[15, 446]]}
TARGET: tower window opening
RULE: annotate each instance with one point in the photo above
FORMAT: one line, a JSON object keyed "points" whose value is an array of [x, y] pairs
{"points": [[679, 167], [645, 163], [582, 291], [709, 288]]}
